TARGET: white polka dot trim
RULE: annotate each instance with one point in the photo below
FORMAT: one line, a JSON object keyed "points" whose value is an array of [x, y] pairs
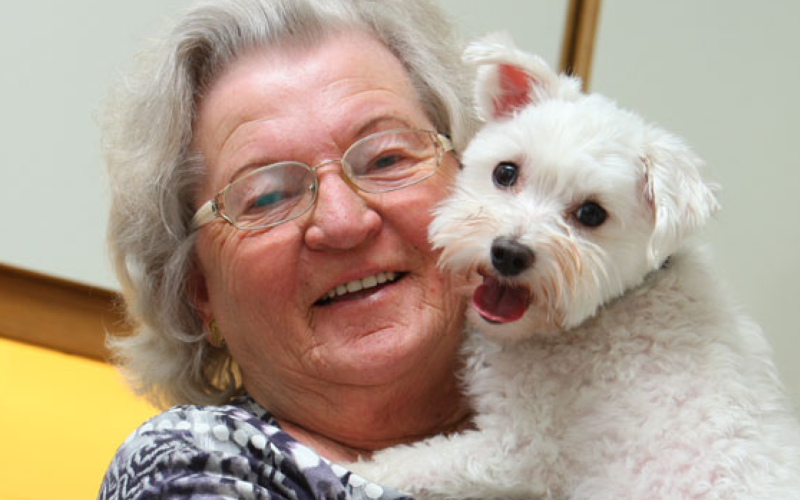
{"points": [[356, 481], [258, 441], [240, 437], [221, 432], [304, 457], [338, 470], [164, 426], [244, 488], [373, 491]]}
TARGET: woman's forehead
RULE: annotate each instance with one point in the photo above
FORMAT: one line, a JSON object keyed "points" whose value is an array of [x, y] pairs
{"points": [[255, 82], [283, 95]]}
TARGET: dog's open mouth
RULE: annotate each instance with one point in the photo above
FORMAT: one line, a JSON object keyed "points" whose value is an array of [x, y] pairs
{"points": [[500, 303]]}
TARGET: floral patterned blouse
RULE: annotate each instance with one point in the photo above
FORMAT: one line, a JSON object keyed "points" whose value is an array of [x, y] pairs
{"points": [[236, 451]]}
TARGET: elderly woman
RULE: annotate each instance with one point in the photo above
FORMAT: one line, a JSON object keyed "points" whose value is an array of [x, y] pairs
{"points": [[274, 165]]}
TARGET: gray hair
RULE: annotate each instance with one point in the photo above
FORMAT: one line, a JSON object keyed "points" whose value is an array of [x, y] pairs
{"points": [[147, 122]]}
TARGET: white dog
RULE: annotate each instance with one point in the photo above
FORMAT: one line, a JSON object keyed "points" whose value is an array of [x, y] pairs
{"points": [[607, 362]]}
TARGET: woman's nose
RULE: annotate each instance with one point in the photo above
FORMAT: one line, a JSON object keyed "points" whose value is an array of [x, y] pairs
{"points": [[341, 218]]}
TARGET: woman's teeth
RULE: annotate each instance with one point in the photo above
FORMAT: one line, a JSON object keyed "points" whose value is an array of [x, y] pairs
{"points": [[362, 284]]}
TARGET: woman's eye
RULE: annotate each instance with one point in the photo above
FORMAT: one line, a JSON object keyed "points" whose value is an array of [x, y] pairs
{"points": [[386, 161], [267, 199], [505, 174], [590, 214]]}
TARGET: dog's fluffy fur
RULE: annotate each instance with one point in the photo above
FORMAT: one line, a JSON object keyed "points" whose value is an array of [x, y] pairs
{"points": [[630, 374]]}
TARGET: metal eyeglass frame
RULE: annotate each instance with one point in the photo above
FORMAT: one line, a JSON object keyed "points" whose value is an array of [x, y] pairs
{"points": [[214, 208]]}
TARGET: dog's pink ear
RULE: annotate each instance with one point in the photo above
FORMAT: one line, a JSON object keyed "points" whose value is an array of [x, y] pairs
{"points": [[514, 90], [675, 191], [509, 79]]}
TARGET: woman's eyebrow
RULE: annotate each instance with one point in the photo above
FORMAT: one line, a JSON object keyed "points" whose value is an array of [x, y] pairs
{"points": [[252, 165], [381, 123]]}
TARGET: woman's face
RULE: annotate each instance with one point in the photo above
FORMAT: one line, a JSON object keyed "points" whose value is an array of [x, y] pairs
{"points": [[264, 287]]}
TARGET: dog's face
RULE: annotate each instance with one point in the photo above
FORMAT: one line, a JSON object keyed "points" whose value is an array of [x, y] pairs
{"points": [[565, 201]]}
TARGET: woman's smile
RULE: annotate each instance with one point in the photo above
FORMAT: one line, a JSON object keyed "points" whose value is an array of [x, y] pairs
{"points": [[360, 288]]}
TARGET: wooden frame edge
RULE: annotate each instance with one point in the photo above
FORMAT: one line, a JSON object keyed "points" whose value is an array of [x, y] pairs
{"points": [[580, 30], [58, 314]]}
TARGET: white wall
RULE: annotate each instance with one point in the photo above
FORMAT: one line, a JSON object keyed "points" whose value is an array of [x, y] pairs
{"points": [[722, 73]]}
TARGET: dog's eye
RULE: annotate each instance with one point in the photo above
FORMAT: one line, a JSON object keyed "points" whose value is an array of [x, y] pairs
{"points": [[591, 214], [505, 174]]}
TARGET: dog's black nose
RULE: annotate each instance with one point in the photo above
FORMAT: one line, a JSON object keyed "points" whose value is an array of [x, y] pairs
{"points": [[510, 257]]}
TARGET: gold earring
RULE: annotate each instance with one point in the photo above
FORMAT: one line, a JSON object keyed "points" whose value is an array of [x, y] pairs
{"points": [[215, 338]]}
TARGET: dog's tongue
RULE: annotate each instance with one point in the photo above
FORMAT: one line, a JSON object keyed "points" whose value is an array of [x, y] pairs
{"points": [[499, 303]]}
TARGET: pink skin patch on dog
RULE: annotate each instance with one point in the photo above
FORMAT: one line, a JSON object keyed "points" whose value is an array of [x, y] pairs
{"points": [[499, 303], [515, 85]]}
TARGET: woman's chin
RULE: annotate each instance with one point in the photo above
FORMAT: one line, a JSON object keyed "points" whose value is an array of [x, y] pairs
{"points": [[379, 337], [377, 353]]}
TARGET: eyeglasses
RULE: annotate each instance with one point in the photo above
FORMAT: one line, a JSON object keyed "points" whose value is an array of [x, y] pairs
{"points": [[279, 192]]}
